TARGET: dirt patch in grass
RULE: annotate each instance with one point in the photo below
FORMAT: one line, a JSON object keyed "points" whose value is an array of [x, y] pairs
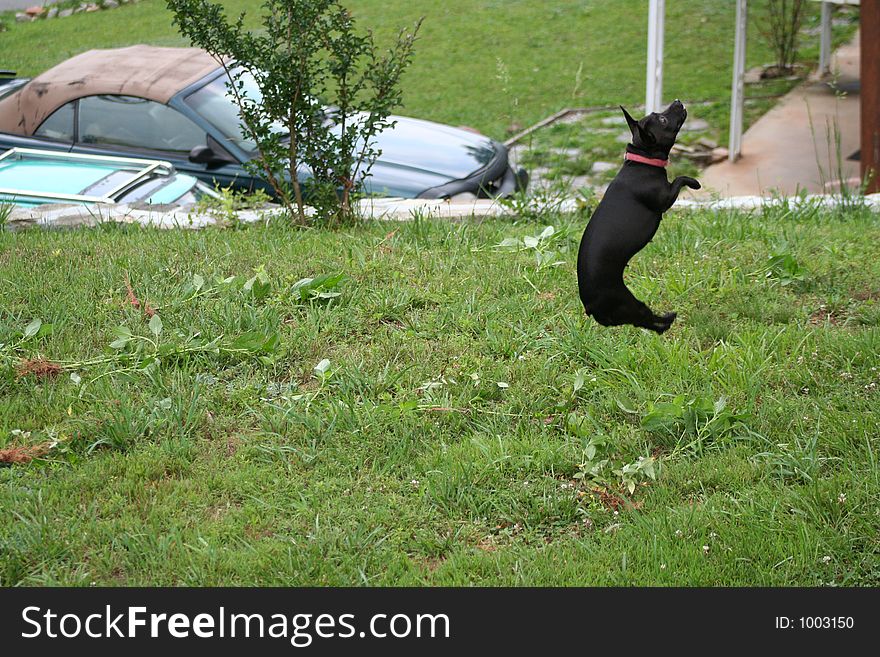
{"points": [[258, 533], [823, 315], [612, 500], [866, 295], [18, 454], [487, 544], [232, 444], [384, 247], [431, 564], [38, 367]]}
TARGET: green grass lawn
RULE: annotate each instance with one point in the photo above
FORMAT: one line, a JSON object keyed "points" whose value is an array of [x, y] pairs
{"points": [[490, 64], [456, 432]]}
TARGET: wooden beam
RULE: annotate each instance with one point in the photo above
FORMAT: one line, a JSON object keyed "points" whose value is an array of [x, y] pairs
{"points": [[737, 90], [654, 77], [825, 40], [870, 92]]}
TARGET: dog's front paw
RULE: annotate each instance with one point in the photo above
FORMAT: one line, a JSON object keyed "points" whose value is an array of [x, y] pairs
{"points": [[693, 183]]}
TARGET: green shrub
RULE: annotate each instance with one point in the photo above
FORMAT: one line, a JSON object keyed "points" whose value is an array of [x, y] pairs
{"points": [[325, 92]]}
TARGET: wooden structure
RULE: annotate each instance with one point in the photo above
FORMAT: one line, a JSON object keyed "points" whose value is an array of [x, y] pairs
{"points": [[870, 75], [870, 93], [654, 76]]}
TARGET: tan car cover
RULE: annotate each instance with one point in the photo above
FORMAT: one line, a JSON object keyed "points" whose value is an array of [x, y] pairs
{"points": [[143, 71]]}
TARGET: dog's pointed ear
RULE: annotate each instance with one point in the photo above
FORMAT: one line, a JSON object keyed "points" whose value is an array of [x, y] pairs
{"points": [[636, 129], [631, 122]]}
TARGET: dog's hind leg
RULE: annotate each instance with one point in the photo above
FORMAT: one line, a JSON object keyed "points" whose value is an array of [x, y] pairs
{"points": [[624, 308]]}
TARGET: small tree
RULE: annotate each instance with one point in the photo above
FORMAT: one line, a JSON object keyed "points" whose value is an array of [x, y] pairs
{"points": [[326, 92], [780, 25]]}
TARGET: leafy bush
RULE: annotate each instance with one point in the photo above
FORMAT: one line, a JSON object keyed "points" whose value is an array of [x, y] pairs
{"points": [[780, 23], [325, 92]]}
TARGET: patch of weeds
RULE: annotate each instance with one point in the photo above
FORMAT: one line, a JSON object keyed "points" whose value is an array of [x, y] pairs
{"points": [[542, 201], [692, 423], [797, 460], [180, 415], [320, 288], [307, 417], [14, 347], [278, 414], [785, 270], [130, 352], [174, 419], [258, 286], [305, 291], [398, 307], [868, 313], [121, 427], [597, 467], [229, 202], [139, 352], [5, 208], [711, 325], [538, 244], [15, 340]]}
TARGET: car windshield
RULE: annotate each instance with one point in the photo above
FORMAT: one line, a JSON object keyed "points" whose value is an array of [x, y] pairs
{"points": [[217, 105]]}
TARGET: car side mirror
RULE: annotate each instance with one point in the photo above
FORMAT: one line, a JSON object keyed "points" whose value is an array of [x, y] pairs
{"points": [[212, 154], [202, 155]]}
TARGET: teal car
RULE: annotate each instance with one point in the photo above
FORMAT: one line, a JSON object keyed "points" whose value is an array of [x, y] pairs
{"points": [[174, 104], [33, 177]]}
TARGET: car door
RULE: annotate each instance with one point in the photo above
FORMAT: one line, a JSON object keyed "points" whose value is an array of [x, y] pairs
{"points": [[136, 127]]}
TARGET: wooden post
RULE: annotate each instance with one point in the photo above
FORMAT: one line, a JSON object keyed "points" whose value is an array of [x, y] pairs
{"points": [[870, 92], [739, 69], [654, 81], [825, 40]]}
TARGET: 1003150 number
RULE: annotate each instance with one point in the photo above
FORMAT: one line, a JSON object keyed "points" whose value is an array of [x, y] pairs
{"points": [[826, 622]]}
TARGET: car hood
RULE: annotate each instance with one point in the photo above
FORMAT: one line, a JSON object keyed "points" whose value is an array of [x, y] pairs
{"points": [[416, 155]]}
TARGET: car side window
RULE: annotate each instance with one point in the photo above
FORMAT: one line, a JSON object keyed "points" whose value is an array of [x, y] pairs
{"points": [[59, 126], [138, 123]]}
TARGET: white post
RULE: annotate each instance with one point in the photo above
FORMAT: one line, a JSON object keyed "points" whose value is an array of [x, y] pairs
{"points": [[739, 69], [825, 40], [654, 86]]}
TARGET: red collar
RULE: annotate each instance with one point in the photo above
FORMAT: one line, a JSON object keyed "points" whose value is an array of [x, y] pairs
{"points": [[632, 157]]}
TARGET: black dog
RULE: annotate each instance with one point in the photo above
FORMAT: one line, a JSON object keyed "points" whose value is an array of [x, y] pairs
{"points": [[626, 220]]}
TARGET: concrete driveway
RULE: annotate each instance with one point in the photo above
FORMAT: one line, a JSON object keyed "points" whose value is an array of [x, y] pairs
{"points": [[793, 147]]}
